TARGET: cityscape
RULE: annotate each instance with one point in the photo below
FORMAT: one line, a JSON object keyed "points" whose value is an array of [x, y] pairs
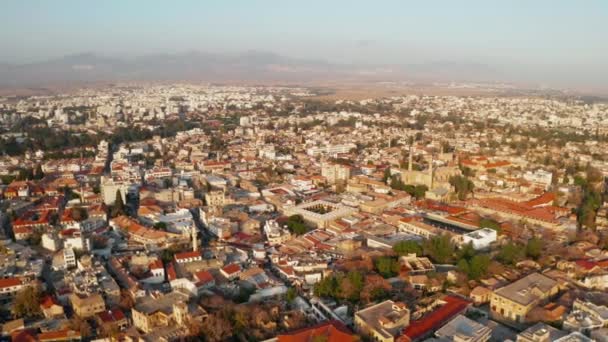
{"points": [[283, 201]]}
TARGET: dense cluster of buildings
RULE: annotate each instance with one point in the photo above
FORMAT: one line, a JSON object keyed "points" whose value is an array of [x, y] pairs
{"points": [[267, 201]]}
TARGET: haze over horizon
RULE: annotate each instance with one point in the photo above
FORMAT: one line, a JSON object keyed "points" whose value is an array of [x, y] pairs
{"points": [[545, 43]]}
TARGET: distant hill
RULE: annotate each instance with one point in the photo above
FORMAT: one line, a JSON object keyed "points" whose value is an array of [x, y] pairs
{"points": [[201, 66]]}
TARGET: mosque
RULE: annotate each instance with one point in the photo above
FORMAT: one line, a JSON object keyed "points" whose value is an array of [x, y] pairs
{"points": [[433, 178]]}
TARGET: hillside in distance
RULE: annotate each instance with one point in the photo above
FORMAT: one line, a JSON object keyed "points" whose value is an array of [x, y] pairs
{"points": [[250, 66]]}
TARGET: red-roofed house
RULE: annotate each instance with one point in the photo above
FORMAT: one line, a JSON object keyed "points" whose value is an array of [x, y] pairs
{"points": [[231, 271], [424, 327], [332, 331], [10, 286], [171, 274], [112, 320], [50, 307], [59, 335], [204, 280], [185, 257]]}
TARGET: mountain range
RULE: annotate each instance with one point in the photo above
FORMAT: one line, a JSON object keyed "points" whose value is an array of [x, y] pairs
{"points": [[250, 66]]}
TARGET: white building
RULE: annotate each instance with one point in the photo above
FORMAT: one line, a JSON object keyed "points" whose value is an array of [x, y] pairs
{"points": [[179, 221], [109, 188], [331, 149], [275, 234], [69, 258], [539, 177], [50, 242], [480, 239]]}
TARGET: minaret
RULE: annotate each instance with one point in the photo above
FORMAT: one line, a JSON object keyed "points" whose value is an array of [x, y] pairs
{"points": [[194, 239]]}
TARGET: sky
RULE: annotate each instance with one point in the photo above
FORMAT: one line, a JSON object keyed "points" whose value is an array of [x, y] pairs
{"points": [[546, 35]]}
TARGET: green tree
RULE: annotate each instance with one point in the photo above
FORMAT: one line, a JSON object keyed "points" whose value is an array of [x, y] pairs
{"points": [[463, 266], [166, 255], [296, 225], [463, 186], [534, 248], [387, 175], [327, 287], [478, 266], [510, 253], [419, 191], [466, 252], [38, 173], [27, 303], [351, 286], [160, 226], [386, 266], [291, 294], [489, 223], [80, 213], [119, 206], [407, 247], [439, 248]]}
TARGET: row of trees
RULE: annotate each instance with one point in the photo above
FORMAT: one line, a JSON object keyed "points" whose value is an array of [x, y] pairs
{"points": [[353, 286], [296, 225], [416, 191], [513, 252], [592, 197], [441, 250], [462, 185]]}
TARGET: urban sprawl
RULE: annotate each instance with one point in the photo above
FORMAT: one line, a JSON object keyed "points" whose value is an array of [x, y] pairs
{"points": [[196, 212]]}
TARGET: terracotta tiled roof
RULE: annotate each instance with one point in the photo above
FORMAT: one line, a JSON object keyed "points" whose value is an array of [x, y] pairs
{"points": [[59, 335], [332, 331], [110, 316], [48, 302], [436, 319], [10, 282], [231, 269], [187, 255]]}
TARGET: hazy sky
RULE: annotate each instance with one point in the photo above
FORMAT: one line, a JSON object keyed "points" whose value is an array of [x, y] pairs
{"points": [[567, 34]]}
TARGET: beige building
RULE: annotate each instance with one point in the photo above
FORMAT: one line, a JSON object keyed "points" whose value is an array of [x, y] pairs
{"points": [[335, 173], [169, 310], [431, 178], [320, 213], [86, 307], [514, 301], [215, 198], [109, 188], [383, 321]]}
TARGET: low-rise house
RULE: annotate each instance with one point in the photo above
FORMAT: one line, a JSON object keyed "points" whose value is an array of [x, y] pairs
{"points": [[514, 301], [51, 308], [585, 317], [111, 321], [186, 257], [461, 328], [231, 271], [422, 328], [383, 321], [9, 287], [204, 280], [481, 295], [540, 332], [166, 311], [87, 306], [413, 264], [331, 331], [480, 239]]}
